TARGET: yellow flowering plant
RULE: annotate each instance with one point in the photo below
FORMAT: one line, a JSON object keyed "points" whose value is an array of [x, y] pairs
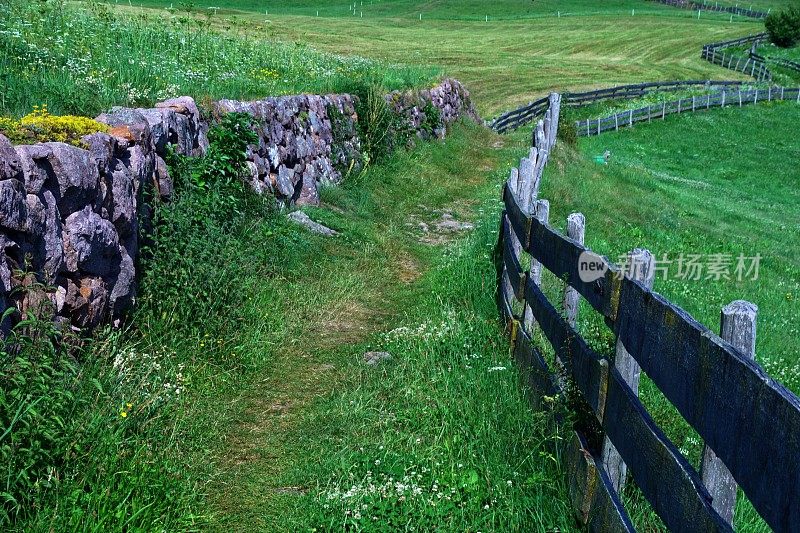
{"points": [[41, 126]]}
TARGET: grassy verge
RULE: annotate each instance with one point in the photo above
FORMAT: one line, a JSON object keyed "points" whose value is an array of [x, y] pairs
{"points": [[721, 184], [84, 60]]}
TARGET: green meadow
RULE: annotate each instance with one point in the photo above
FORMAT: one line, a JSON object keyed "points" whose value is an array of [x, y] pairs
{"points": [[237, 396]]}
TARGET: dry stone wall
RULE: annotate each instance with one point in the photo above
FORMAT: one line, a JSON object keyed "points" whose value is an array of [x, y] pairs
{"points": [[296, 151], [449, 98], [71, 218]]}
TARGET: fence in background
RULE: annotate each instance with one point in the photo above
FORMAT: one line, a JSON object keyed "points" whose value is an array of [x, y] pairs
{"points": [[715, 53], [536, 109], [785, 63], [590, 127], [705, 6], [749, 422]]}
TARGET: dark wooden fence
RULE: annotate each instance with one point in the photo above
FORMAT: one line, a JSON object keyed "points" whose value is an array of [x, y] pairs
{"points": [[590, 127], [536, 109], [785, 63], [749, 422], [716, 7], [716, 54]]}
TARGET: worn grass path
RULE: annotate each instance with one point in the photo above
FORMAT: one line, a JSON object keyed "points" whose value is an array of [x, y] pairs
{"points": [[445, 417]]}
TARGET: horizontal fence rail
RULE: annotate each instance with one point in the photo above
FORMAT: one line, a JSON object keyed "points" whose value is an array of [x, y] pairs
{"points": [[750, 424], [750, 65], [624, 119], [536, 109], [705, 6], [785, 63]]}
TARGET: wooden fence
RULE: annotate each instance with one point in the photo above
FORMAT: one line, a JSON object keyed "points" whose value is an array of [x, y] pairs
{"points": [[785, 63], [590, 127], [536, 109], [749, 422], [716, 7], [716, 54]]}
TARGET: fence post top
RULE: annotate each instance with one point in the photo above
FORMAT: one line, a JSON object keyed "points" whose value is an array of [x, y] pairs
{"points": [[740, 307], [641, 266], [576, 218]]}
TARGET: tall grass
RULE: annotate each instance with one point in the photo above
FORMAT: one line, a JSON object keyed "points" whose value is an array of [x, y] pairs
{"points": [[83, 60], [101, 433]]}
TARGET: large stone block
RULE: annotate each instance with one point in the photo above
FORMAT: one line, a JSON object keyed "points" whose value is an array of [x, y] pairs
{"points": [[91, 244], [10, 165]]}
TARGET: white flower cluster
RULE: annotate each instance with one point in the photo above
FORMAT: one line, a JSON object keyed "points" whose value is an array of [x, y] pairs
{"points": [[149, 376]]}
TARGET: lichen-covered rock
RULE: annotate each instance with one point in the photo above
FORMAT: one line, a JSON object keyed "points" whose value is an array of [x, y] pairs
{"points": [[10, 165], [284, 185], [450, 98], [295, 142], [309, 192], [91, 244], [13, 205], [85, 302], [123, 284], [77, 177], [35, 166]]}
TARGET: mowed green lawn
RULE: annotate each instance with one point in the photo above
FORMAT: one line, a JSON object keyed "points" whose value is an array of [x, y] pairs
{"points": [[722, 182], [523, 51]]}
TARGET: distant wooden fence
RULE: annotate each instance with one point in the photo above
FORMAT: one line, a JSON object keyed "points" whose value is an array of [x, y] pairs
{"points": [[785, 63], [590, 127], [716, 7], [749, 422], [536, 109], [716, 54]]}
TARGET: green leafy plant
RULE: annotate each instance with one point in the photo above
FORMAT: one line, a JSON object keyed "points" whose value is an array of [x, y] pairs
{"points": [[345, 159], [433, 120], [783, 26], [567, 132]]}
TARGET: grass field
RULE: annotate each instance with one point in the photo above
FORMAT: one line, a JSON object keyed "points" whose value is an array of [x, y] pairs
{"points": [[523, 51], [84, 61], [702, 184]]}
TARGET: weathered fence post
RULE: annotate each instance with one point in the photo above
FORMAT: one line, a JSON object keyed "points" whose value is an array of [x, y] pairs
{"points": [[516, 246], [738, 328], [539, 139], [541, 212], [640, 267], [555, 114], [576, 230]]}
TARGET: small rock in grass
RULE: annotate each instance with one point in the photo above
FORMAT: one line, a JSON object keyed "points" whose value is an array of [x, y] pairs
{"points": [[314, 227], [375, 358]]}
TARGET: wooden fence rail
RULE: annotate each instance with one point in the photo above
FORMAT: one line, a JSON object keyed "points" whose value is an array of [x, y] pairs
{"points": [[706, 6], [752, 65], [624, 119], [785, 63], [536, 109], [715, 53], [750, 424]]}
